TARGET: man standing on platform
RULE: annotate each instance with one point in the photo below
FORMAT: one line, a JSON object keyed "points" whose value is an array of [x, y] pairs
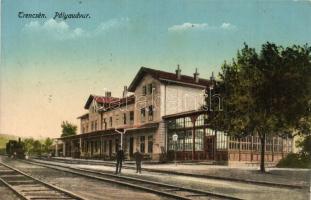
{"points": [[119, 157], [138, 158]]}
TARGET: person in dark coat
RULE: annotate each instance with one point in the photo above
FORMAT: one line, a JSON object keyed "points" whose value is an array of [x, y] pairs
{"points": [[119, 158], [138, 158]]}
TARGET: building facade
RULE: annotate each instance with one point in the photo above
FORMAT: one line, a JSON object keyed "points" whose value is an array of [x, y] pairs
{"points": [[196, 141], [154, 107]]}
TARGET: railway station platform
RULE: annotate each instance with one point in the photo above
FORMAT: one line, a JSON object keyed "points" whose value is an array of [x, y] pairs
{"points": [[296, 178]]}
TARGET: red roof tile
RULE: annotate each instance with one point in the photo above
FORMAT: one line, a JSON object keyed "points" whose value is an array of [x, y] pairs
{"points": [[99, 99]]}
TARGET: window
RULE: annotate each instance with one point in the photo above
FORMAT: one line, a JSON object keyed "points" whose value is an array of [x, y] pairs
{"points": [[131, 115], [95, 125], [92, 126], [171, 124], [209, 132], [199, 139], [105, 124], [110, 121], [124, 118], [144, 90], [116, 120], [278, 144], [87, 128], [201, 120], [184, 141], [142, 144], [150, 113], [143, 114], [180, 123], [188, 122], [150, 143], [188, 140], [150, 87], [101, 122], [221, 142]]}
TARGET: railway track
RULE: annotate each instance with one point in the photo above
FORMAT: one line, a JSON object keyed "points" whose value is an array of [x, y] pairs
{"points": [[30, 188], [162, 189], [262, 183]]}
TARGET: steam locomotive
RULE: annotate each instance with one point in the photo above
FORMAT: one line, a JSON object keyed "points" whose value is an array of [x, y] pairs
{"points": [[15, 149]]}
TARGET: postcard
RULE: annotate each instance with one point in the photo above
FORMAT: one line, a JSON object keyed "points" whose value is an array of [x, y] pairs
{"points": [[140, 99]]}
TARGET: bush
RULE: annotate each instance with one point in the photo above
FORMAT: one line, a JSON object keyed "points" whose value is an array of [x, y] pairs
{"points": [[293, 160]]}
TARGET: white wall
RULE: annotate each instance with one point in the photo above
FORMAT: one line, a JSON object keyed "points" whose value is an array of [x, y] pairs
{"points": [[177, 98]]}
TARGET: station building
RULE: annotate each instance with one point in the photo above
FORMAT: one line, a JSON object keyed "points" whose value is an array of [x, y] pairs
{"points": [[156, 106]]}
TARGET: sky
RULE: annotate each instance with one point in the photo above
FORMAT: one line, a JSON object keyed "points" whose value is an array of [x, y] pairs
{"points": [[49, 66]]}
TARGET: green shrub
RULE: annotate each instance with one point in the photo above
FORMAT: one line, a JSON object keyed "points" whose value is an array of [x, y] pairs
{"points": [[293, 160]]}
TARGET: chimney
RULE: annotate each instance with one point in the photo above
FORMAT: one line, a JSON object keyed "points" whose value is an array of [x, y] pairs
{"points": [[107, 94], [178, 72], [212, 78], [196, 75], [212, 81], [125, 91]]}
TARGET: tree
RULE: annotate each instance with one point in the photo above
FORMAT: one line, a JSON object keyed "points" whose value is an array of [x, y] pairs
{"points": [[267, 93], [305, 146], [47, 144], [37, 147], [68, 129], [28, 145]]}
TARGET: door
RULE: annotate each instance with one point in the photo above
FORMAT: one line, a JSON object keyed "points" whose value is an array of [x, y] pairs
{"points": [[131, 146], [110, 148], [209, 147], [92, 150]]}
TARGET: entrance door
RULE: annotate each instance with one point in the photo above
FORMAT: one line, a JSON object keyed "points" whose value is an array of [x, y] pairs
{"points": [[209, 147], [92, 150], [110, 148], [131, 146]]}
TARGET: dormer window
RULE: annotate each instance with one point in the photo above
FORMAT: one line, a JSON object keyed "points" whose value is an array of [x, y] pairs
{"points": [[131, 116], [150, 113], [143, 114], [150, 88], [94, 108], [144, 92], [105, 124], [124, 118]]}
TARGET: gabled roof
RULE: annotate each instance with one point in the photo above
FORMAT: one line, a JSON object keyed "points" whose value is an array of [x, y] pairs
{"points": [[118, 103], [99, 99], [166, 77], [84, 116]]}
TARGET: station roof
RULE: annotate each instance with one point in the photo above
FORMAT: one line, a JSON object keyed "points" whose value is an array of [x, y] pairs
{"points": [[111, 131], [99, 99], [185, 114]]}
